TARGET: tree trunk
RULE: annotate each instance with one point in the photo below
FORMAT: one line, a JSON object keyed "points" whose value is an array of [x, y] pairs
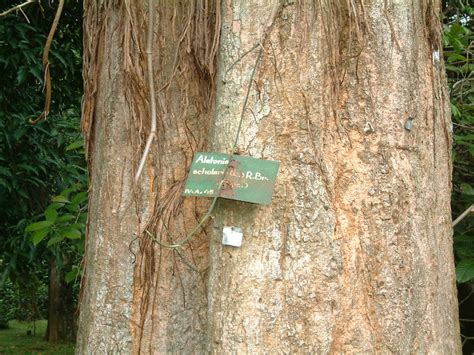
{"points": [[61, 307], [354, 255], [136, 296], [54, 301]]}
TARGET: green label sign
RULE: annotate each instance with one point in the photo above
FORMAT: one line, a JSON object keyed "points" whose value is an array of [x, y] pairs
{"points": [[247, 179]]}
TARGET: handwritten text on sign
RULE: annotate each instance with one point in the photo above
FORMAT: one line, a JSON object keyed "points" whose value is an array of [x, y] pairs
{"points": [[247, 179]]}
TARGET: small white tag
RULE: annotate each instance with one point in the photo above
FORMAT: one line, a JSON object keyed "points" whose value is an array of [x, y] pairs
{"points": [[232, 236]]}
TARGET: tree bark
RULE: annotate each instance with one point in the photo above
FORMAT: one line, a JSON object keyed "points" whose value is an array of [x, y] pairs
{"points": [[354, 255], [61, 307], [54, 301], [138, 297]]}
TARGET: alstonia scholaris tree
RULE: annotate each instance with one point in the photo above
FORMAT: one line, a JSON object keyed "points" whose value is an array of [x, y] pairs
{"points": [[354, 255]]}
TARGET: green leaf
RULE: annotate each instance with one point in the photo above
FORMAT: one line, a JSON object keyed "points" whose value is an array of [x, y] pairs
{"points": [[55, 240], [65, 218], [471, 150], [60, 198], [71, 233], [455, 57], [77, 226], [39, 235], [27, 167], [75, 145], [79, 198], [59, 57], [19, 133], [467, 189], [466, 137], [37, 72], [51, 214], [56, 205], [21, 75], [455, 110], [72, 188], [38, 225], [456, 29], [457, 45], [79, 244], [5, 171], [72, 208], [465, 270], [452, 68], [71, 276]]}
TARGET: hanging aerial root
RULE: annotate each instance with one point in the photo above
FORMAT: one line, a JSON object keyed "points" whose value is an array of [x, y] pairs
{"points": [[344, 34], [151, 85], [184, 84], [177, 245], [45, 62]]}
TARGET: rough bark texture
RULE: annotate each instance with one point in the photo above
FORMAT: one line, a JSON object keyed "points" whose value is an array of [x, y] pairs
{"points": [[107, 295], [61, 307], [54, 302], [353, 256], [355, 253], [136, 296], [170, 299]]}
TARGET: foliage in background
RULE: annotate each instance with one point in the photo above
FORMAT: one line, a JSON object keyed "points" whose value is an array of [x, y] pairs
{"points": [[35, 163], [458, 52], [23, 306], [63, 226], [7, 298], [459, 62]]}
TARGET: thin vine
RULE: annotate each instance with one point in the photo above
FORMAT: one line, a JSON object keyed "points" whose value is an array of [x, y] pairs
{"points": [[208, 214], [221, 183], [151, 84]]}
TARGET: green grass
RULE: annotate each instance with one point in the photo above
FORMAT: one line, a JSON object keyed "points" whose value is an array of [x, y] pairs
{"points": [[16, 341]]}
